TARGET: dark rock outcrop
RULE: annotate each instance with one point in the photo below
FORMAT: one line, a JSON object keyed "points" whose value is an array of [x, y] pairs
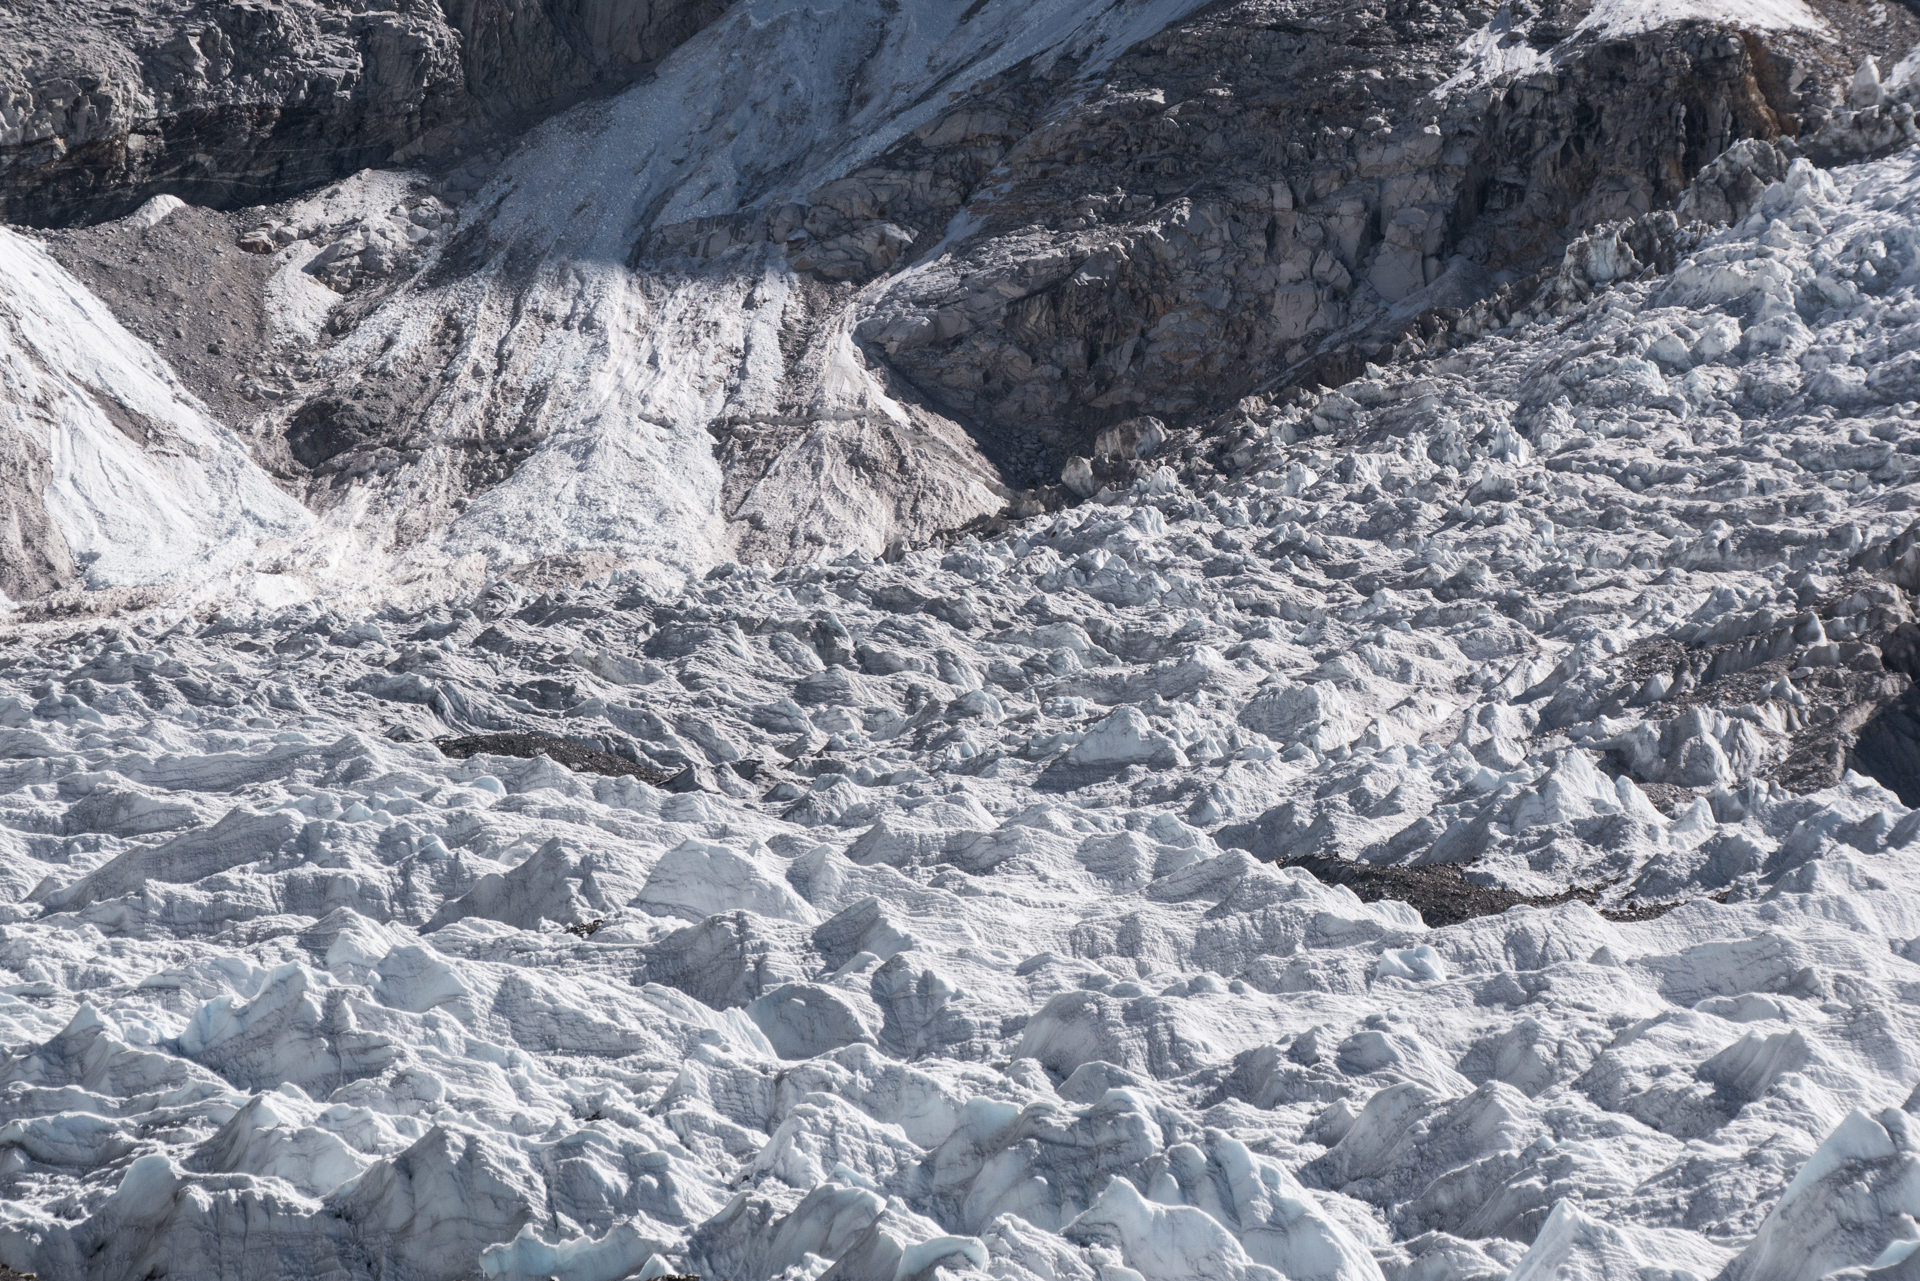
{"points": [[1268, 192], [248, 102]]}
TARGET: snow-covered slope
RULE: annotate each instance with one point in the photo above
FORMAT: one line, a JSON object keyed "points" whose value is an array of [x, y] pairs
{"points": [[115, 470], [1626, 17], [608, 381], [995, 920]]}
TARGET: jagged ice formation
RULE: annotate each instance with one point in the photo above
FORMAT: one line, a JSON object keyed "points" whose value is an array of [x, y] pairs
{"points": [[1423, 798], [988, 925]]}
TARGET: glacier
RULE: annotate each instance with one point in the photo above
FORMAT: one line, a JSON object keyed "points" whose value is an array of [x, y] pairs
{"points": [[1447, 827], [84, 400]]}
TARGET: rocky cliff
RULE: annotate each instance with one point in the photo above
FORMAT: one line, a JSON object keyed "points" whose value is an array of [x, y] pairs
{"points": [[241, 102]]}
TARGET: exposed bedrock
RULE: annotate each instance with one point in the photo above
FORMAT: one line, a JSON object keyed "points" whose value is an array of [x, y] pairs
{"points": [[1265, 192], [233, 104], [742, 311], [1270, 228]]}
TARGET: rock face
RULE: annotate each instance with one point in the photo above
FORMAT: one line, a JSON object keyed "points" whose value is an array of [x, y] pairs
{"points": [[1272, 185], [790, 322], [230, 104]]}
